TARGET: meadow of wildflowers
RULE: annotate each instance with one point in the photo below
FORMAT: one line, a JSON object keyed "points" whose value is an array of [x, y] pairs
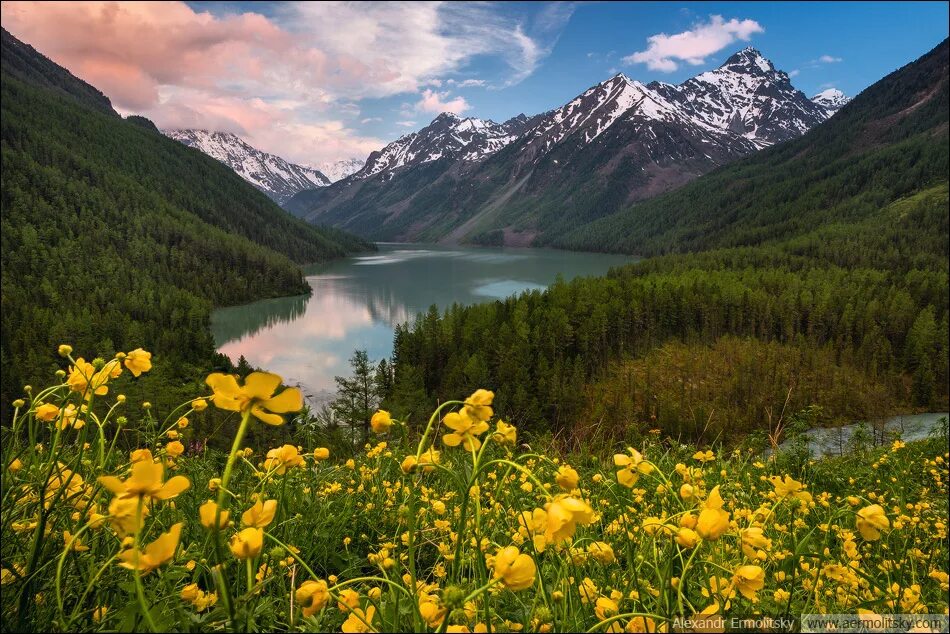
{"points": [[460, 526]]}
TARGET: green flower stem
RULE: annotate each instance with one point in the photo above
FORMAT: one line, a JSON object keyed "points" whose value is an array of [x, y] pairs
{"points": [[139, 589]]}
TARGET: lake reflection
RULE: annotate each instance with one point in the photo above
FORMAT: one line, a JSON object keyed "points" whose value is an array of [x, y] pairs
{"points": [[356, 302]]}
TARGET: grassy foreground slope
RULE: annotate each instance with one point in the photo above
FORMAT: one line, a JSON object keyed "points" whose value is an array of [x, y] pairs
{"points": [[114, 236], [834, 246]]}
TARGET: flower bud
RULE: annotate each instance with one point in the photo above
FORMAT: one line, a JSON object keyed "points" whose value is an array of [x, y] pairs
{"points": [[65, 350]]}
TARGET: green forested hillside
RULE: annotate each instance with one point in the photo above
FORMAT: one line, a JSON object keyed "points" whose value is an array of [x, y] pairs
{"points": [[821, 261], [114, 236]]}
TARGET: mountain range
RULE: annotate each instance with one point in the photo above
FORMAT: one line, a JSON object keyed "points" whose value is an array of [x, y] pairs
{"points": [[531, 179]]}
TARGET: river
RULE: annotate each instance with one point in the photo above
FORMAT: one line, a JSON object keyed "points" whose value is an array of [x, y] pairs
{"points": [[357, 301]]}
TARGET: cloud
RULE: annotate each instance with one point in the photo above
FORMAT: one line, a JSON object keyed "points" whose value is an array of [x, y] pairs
{"points": [[665, 52], [300, 69], [406, 124], [371, 120], [828, 59], [467, 83], [437, 102], [794, 73]]}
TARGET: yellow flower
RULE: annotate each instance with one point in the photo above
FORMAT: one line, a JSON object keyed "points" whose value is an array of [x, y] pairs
{"points": [[65, 350], [567, 478], [208, 511], [349, 599], [478, 405], [381, 422], [138, 361], [73, 543], [247, 543], [605, 608], [749, 580], [790, 488], [534, 525], [564, 513], [870, 521], [359, 621], [256, 396], [16, 465], [426, 460], [260, 515], [752, 539], [70, 417], [713, 522], [321, 453], [602, 552], [515, 569], [146, 480], [183, 422], [505, 434], [465, 429], [155, 554], [631, 466], [47, 412], [312, 596], [124, 515], [704, 456], [174, 449], [282, 458], [430, 610], [199, 405], [687, 538], [100, 613]]}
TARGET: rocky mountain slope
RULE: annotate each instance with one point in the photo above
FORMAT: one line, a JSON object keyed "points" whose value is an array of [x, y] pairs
{"points": [[529, 180], [271, 174]]}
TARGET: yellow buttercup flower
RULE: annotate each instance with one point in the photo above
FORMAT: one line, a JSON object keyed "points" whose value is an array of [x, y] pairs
{"points": [[564, 513], [430, 610], [478, 405], [713, 521], [209, 511], [359, 621], [605, 608], [174, 449], [465, 430], [567, 478], [704, 456], [138, 361], [381, 422], [515, 569], [631, 466], [321, 453], [282, 458], [312, 596], [687, 538], [870, 521], [247, 543], [505, 434], [256, 396], [749, 580], [602, 552], [261, 514], [124, 515], [146, 480], [155, 554], [47, 412], [790, 488]]}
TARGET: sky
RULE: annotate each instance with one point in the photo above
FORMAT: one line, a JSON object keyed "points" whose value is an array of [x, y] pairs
{"points": [[323, 81]]}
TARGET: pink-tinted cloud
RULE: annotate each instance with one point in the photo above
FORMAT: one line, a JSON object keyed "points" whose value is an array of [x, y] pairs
{"points": [[436, 102], [271, 78]]}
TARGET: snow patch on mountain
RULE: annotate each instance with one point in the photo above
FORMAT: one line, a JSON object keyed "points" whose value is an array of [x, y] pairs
{"points": [[832, 100], [269, 173], [338, 170]]}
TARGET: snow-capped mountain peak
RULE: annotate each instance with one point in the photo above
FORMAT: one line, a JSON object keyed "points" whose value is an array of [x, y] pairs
{"points": [[271, 174], [338, 170], [831, 99]]}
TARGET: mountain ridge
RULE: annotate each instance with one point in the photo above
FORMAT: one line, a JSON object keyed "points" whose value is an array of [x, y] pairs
{"points": [[278, 178], [618, 142]]}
